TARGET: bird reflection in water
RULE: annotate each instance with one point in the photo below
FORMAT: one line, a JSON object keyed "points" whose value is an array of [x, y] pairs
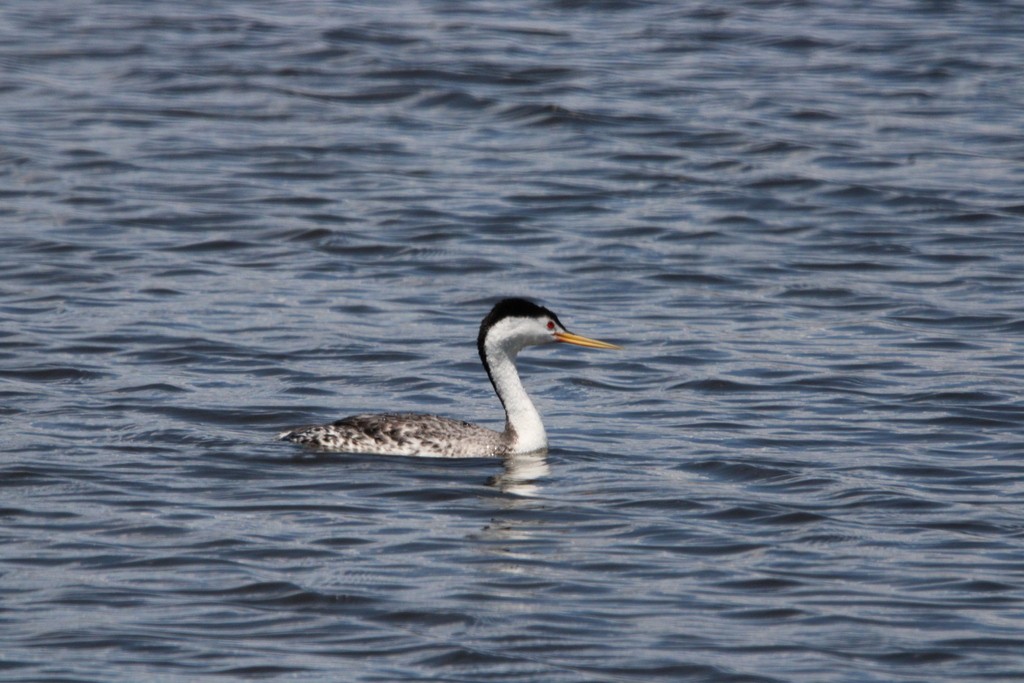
{"points": [[521, 472]]}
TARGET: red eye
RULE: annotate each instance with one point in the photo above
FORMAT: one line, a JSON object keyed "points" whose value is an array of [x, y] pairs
{"points": [[551, 325]]}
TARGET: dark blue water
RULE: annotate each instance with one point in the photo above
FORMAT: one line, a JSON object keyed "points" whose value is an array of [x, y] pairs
{"points": [[805, 222]]}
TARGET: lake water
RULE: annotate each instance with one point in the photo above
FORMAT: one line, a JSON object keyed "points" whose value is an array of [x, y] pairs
{"points": [[804, 221]]}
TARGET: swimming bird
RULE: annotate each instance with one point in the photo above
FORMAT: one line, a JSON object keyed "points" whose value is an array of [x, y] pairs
{"points": [[512, 325]]}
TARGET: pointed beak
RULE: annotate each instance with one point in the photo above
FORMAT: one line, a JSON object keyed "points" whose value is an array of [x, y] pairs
{"points": [[570, 338]]}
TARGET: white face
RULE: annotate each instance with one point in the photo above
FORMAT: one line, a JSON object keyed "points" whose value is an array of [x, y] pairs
{"points": [[515, 333]]}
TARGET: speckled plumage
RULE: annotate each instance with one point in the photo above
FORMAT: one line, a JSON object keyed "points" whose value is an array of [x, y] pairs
{"points": [[403, 434]]}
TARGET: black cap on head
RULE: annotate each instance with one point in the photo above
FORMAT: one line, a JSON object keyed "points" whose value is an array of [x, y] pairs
{"points": [[517, 308], [509, 308], [513, 308]]}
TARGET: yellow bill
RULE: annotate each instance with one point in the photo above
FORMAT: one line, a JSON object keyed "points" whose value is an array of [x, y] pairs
{"points": [[579, 340]]}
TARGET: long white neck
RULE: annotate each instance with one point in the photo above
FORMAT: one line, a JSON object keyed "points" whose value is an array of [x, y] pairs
{"points": [[523, 425]]}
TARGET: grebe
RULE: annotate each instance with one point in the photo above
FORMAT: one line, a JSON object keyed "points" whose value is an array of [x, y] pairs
{"points": [[512, 325]]}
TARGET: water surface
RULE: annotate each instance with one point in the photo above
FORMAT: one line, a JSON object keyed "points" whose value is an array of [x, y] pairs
{"points": [[804, 222]]}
